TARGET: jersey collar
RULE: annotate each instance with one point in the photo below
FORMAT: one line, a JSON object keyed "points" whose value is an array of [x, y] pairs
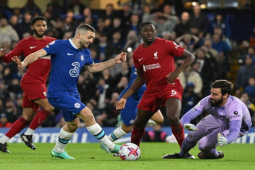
{"points": [[71, 42]]}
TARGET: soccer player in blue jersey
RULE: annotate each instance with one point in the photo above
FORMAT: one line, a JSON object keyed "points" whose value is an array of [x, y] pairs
{"points": [[67, 58], [128, 114]]}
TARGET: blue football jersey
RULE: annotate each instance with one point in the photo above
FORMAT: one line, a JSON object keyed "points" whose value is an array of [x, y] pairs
{"points": [[137, 95], [66, 63]]}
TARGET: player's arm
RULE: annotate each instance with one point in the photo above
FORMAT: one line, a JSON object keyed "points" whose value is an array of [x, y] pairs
{"points": [[139, 81], [98, 67], [30, 58], [189, 59], [17, 51]]}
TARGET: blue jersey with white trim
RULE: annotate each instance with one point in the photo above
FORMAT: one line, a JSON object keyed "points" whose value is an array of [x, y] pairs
{"points": [[66, 63], [137, 95]]}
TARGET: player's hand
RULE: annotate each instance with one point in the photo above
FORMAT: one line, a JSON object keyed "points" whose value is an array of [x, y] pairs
{"points": [[222, 141], [19, 63], [190, 127], [121, 57], [2, 52], [121, 104], [171, 77]]}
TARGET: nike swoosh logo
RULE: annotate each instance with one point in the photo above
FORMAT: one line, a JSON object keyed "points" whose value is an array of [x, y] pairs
{"points": [[31, 47], [140, 59], [69, 54]]}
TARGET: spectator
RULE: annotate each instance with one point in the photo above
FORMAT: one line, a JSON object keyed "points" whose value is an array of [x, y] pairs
{"points": [[32, 8], [243, 74], [250, 89], [4, 122], [184, 26], [25, 25], [77, 7], [7, 33]]}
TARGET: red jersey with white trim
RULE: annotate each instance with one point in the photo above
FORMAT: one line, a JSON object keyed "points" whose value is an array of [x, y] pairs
{"points": [[39, 69], [157, 61]]}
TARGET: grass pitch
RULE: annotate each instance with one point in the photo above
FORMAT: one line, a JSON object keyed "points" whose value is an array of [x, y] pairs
{"points": [[90, 157]]}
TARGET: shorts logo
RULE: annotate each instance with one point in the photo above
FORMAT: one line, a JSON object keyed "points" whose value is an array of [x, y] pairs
{"points": [[44, 93], [173, 93], [132, 121], [82, 57], [77, 105]]}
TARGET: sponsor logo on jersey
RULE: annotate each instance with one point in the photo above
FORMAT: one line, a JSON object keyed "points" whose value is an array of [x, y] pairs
{"points": [[75, 71], [77, 105], [31, 47], [151, 67], [82, 57], [173, 93], [156, 55], [235, 112]]}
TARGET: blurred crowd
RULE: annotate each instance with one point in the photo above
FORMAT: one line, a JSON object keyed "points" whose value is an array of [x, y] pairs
{"points": [[117, 30]]}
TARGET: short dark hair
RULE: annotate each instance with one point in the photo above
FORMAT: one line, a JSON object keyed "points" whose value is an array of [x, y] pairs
{"points": [[37, 19], [86, 27], [225, 86], [145, 23]]}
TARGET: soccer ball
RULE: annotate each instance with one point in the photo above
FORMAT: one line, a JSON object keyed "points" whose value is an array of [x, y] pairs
{"points": [[129, 152]]}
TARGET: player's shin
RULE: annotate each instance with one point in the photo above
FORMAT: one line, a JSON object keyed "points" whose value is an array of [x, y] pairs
{"points": [[116, 134], [136, 135], [99, 133], [179, 134], [63, 139]]}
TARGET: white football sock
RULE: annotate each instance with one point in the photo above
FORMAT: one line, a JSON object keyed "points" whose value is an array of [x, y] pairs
{"points": [[63, 139], [98, 132], [116, 134], [4, 139], [29, 131]]}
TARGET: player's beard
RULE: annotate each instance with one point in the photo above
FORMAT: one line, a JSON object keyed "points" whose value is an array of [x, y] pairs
{"points": [[83, 44], [37, 34], [216, 103]]}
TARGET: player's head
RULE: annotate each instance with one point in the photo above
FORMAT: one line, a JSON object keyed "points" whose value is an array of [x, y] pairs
{"points": [[39, 25], [85, 34], [148, 32], [220, 90]]}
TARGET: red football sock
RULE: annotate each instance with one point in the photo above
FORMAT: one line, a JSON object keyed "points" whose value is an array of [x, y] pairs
{"points": [[17, 126], [39, 118], [178, 133], [136, 135]]}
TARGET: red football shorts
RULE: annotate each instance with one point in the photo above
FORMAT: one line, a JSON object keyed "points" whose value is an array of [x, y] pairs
{"points": [[153, 100], [32, 91]]}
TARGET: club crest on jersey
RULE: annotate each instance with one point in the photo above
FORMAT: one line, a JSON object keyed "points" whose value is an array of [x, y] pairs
{"points": [[77, 105], [156, 55], [82, 57]]}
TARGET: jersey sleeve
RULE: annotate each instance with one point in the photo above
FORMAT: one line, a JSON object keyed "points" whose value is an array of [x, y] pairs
{"points": [[53, 47], [135, 60], [174, 49], [17, 51]]}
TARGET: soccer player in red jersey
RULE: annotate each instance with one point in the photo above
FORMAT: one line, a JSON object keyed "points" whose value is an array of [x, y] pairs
{"points": [[154, 61], [33, 84]]}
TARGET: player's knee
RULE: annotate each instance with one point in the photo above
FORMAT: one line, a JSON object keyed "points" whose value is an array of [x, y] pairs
{"points": [[202, 144], [174, 121], [159, 122], [73, 126], [49, 108], [28, 117]]}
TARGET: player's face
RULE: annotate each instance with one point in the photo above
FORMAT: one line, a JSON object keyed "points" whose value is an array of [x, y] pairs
{"points": [[39, 28], [148, 33], [216, 98], [86, 39]]}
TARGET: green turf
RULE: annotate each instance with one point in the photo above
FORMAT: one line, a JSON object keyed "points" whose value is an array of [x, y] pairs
{"points": [[91, 157]]}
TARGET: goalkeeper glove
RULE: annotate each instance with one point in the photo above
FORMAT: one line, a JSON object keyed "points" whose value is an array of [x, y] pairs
{"points": [[190, 127], [222, 141]]}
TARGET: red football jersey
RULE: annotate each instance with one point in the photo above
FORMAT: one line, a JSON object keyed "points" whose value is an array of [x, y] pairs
{"points": [[157, 61], [39, 69]]}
